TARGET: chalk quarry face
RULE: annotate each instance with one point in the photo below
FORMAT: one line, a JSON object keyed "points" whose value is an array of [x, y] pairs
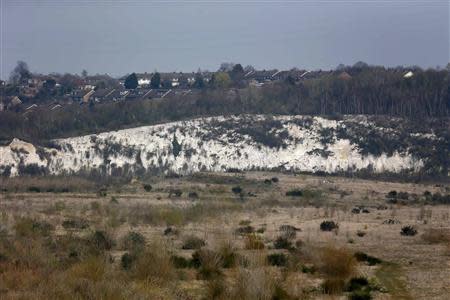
{"points": [[249, 142]]}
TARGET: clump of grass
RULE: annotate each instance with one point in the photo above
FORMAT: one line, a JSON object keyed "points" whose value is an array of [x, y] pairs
{"points": [[337, 265], [193, 243], [209, 264], [154, 264], [236, 190], [408, 231], [253, 242]]}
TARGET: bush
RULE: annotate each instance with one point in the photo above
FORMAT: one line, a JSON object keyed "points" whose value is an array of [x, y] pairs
{"points": [[333, 285], [147, 187], [171, 231], [228, 255], [328, 226], [154, 264], [357, 283], [27, 227], [193, 195], [210, 264], [253, 242], [370, 260], [180, 262], [34, 189], [337, 262], [294, 193], [282, 243], [236, 189], [75, 224], [193, 243], [133, 241], [289, 232], [101, 241], [363, 294], [408, 231], [274, 179], [277, 259], [127, 260], [245, 230]]}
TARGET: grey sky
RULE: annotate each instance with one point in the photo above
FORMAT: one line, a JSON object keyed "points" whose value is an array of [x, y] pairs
{"points": [[118, 37]]}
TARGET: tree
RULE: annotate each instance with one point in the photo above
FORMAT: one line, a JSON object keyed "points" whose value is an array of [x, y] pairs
{"points": [[49, 84], [84, 73], [20, 73], [131, 82], [199, 82], [221, 80], [226, 67], [155, 82], [237, 73]]}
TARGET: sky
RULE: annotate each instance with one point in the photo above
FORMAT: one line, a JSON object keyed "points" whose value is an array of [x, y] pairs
{"points": [[124, 36]]}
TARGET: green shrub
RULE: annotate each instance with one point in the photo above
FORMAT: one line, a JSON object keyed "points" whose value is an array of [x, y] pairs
{"points": [[294, 193], [133, 241], [282, 243], [408, 231], [328, 225], [193, 243], [370, 260], [277, 259], [147, 187]]}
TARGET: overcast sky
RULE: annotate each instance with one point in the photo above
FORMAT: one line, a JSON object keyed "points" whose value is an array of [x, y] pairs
{"points": [[118, 37]]}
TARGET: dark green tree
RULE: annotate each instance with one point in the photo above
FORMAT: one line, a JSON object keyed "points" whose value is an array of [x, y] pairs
{"points": [[131, 82], [155, 82]]}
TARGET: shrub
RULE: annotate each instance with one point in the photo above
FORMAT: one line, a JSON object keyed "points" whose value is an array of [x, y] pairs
{"points": [[210, 264], [171, 231], [101, 241], [408, 231], [357, 283], [147, 187], [175, 192], [236, 189], [363, 294], [267, 181], [193, 243], [34, 189], [370, 260], [333, 285], [193, 195], [294, 193], [102, 192], [180, 262], [277, 259], [282, 243], [133, 241], [27, 227], [75, 224], [328, 226], [245, 230], [274, 179], [253, 242], [127, 260], [289, 232], [228, 255], [360, 233], [337, 262], [154, 263]]}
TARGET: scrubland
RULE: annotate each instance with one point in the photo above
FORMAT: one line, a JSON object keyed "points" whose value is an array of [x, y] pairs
{"points": [[253, 235]]}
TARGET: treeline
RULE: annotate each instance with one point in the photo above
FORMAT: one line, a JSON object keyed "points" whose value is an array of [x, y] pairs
{"points": [[368, 90]]}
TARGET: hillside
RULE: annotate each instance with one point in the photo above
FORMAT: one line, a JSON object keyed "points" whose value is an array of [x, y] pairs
{"points": [[250, 142]]}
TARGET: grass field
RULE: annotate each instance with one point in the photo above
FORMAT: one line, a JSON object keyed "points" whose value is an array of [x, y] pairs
{"points": [[254, 235]]}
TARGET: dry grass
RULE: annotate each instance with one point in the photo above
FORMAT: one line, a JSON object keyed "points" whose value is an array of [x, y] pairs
{"points": [[436, 235]]}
